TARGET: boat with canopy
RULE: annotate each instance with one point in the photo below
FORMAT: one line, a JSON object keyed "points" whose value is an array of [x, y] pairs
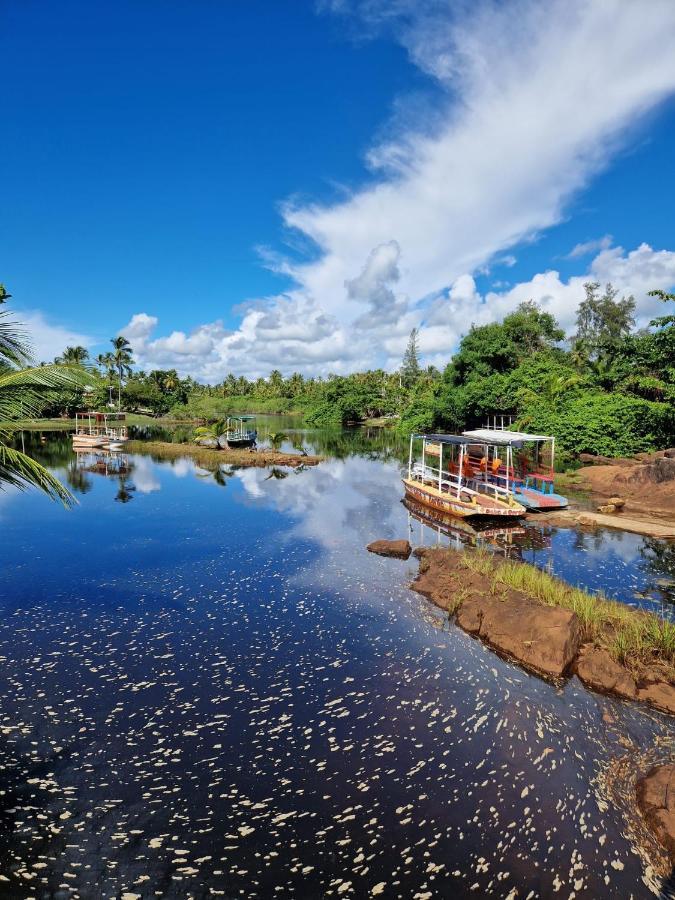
{"points": [[97, 429], [528, 468], [448, 479], [238, 432]]}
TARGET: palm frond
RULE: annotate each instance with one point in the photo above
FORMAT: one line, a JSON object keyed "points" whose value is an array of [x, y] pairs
{"points": [[22, 391], [14, 346], [19, 470]]}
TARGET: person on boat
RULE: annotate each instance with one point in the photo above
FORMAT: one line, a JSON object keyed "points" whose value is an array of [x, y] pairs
{"points": [[495, 466]]}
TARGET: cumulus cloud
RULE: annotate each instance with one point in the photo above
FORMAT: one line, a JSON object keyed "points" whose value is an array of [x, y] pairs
{"points": [[47, 339], [531, 101], [587, 247]]}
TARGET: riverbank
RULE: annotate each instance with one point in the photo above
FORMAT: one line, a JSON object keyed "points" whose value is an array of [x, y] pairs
{"points": [[645, 483], [160, 450], [548, 626], [635, 522]]}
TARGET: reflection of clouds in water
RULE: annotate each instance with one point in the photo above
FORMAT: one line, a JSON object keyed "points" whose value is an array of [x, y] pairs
{"points": [[353, 500], [144, 475], [606, 545], [251, 479], [182, 467]]}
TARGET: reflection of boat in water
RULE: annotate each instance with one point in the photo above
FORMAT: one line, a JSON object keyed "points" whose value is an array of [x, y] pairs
{"points": [[96, 429], [100, 461], [456, 485], [479, 534], [238, 434], [530, 473]]}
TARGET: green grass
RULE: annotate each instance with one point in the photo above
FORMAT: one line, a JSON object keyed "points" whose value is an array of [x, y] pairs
{"points": [[631, 636]]}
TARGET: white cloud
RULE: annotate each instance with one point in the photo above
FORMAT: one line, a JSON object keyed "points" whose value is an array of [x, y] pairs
{"points": [[47, 339], [588, 247], [531, 102]]}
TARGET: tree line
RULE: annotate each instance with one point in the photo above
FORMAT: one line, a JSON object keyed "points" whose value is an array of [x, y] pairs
{"points": [[608, 388]]}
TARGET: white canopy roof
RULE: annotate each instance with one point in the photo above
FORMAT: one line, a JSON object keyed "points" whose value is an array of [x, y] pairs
{"points": [[494, 436]]}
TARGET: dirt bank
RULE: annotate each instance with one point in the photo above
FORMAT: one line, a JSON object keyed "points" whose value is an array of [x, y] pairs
{"points": [[646, 483], [212, 458]]}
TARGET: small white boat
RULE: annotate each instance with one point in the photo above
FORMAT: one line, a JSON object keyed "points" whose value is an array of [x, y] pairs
{"points": [[96, 429]]}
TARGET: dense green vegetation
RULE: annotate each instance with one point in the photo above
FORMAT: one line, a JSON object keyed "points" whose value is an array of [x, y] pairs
{"points": [[607, 389], [611, 392]]}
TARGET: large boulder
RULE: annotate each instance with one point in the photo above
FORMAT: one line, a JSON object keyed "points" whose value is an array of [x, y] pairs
{"points": [[397, 549], [543, 638], [656, 799], [597, 670], [660, 694], [208, 443], [222, 442]]}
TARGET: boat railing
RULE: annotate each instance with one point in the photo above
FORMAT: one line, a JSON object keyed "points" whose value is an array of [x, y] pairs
{"points": [[490, 489], [444, 481], [234, 434]]}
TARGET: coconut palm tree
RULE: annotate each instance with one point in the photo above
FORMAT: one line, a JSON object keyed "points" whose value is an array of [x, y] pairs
{"points": [[123, 360], [73, 356], [23, 391]]}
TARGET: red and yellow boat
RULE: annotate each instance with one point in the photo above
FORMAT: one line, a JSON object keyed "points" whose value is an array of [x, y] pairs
{"points": [[453, 477]]}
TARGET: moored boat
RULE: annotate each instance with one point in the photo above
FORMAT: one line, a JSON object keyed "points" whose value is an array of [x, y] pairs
{"points": [[238, 434], [455, 486], [532, 458], [96, 429]]}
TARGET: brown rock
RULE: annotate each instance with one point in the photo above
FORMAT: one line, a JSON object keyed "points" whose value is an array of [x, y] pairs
{"points": [[656, 800], [670, 453], [618, 502], [661, 695], [598, 671], [469, 617], [397, 549], [544, 638], [585, 519], [607, 508]]}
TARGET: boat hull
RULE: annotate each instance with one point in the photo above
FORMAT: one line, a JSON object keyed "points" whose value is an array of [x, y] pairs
{"points": [[88, 440], [456, 506], [535, 500]]}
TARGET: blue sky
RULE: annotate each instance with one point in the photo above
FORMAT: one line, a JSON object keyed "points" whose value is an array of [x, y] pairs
{"points": [[244, 184]]}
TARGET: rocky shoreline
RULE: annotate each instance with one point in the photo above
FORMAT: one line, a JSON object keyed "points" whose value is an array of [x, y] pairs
{"points": [[209, 458], [548, 641], [632, 494]]}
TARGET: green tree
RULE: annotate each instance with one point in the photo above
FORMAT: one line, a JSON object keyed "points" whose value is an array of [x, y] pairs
{"points": [[661, 321], [603, 322], [73, 356], [123, 360], [410, 367]]}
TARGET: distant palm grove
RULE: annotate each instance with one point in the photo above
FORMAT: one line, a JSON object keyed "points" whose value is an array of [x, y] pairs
{"points": [[606, 389]]}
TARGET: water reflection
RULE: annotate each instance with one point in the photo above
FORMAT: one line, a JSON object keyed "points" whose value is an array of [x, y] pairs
{"points": [[233, 698]]}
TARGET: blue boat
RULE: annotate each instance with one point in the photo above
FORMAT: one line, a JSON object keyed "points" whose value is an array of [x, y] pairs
{"points": [[238, 434], [531, 474]]}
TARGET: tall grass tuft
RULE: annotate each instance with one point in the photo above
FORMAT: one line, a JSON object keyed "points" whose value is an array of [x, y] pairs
{"points": [[631, 636]]}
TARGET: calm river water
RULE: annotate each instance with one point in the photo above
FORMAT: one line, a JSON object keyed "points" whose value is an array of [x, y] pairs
{"points": [[209, 688]]}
